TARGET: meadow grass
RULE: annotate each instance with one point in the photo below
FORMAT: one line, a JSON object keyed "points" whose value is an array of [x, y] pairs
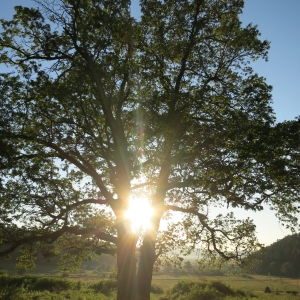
{"points": [[253, 286], [87, 287]]}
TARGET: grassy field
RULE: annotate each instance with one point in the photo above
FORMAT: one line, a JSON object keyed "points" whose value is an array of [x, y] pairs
{"points": [[250, 284], [87, 285]]}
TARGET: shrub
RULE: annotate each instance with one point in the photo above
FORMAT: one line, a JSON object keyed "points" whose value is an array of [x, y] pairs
{"points": [[79, 285], [215, 290], [222, 288], [105, 287], [12, 293], [65, 274], [156, 289], [182, 287], [51, 284], [34, 283], [197, 292], [16, 281]]}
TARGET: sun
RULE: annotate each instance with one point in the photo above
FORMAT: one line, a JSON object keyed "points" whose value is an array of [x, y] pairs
{"points": [[139, 213]]}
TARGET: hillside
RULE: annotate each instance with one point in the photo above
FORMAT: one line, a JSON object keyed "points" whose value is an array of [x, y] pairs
{"points": [[282, 258]]}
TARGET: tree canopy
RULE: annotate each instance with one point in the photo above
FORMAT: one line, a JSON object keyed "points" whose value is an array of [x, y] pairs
{"points": [[98, 108]]}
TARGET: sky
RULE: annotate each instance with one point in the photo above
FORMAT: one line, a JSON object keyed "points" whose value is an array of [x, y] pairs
{"points": [[279, 22]]}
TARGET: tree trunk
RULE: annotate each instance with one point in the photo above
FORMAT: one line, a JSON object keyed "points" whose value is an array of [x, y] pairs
{"points": [[145, 269], [126, 263]]}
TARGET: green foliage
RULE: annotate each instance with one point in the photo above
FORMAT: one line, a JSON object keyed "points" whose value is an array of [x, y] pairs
{"points": [[26, 259], [113, 274], [79, 285], [43, 288], [13, 292], [37, 283]]}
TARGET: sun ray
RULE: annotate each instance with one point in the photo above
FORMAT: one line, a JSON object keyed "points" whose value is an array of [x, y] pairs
{"points": [[139, 213]]}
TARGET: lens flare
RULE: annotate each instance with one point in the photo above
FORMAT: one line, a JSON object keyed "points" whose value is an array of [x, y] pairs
{"points": [[139, 213]]}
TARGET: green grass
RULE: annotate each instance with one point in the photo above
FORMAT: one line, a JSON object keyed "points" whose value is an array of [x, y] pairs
{"points": [[86, 287], [253, 285]]}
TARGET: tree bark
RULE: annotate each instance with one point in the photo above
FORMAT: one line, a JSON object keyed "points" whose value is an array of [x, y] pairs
{"points": [[126, 263], [145, 269]]}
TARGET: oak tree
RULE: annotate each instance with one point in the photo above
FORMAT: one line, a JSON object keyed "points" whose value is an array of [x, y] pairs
{"points": [[98, 108]]}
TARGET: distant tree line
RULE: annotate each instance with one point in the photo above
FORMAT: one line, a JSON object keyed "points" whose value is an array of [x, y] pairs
{"points": [[189, 268], [282, 258]]}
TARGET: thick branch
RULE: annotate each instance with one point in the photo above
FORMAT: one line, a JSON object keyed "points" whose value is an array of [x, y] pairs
{"points": [[52, 237], [185, 210], [85, 169], [72, 206]]}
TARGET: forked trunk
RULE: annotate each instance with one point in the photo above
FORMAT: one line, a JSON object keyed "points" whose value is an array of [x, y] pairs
{"points": [[145, 269], [126, 263]]}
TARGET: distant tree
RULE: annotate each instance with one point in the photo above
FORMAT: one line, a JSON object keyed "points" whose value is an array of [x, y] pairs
{"points": [[168, 268], [177, 272], [97, 106], [188, 266]]}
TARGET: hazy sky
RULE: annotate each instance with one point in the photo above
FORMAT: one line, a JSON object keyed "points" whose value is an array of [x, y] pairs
{"points": [[279, 22]]}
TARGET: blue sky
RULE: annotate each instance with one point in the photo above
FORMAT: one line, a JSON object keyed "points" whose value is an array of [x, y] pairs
{"points": [[279, 22]]}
